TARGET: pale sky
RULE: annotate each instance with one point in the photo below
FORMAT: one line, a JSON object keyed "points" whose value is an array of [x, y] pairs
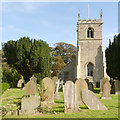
{"points": [[55, 21]]}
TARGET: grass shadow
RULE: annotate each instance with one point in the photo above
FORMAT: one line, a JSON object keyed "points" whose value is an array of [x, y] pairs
{"points": [[84, 107], [96, 90], [59, 102]]}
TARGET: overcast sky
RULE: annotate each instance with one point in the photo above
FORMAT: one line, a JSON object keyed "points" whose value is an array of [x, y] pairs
{"points": [[55, 22]]}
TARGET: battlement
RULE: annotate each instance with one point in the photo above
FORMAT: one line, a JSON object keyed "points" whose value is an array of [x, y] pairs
{"points": [[90, 21]]}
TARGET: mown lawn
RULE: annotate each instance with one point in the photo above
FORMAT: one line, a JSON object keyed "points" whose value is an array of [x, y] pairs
{"points": [[12, 96]]}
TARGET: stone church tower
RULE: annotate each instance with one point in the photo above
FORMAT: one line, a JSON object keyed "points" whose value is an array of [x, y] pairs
{"points": [[90, 60]]}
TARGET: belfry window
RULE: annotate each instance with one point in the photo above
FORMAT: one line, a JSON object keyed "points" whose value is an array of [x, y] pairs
{"points": [[90, 33], [90, 69]]}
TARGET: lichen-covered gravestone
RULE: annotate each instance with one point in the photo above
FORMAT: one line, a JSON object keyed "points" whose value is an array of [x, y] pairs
{"points": [[55, 80], [30, 100], [80, 84], [29, 104], [117, 87], [70, 97], [49, 90], [106, 91], [102, 82], [91, 100], [30, 88]]}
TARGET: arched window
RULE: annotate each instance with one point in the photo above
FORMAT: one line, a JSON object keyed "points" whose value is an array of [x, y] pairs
{"points": [[89, 69], [90, 33]]}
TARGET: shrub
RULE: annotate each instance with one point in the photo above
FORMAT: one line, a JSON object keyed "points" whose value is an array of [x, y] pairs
{"points": [[12, 77], [4, 86]]}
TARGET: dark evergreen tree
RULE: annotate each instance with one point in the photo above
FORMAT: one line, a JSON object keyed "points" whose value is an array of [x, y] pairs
{"points": [[113, 58], [28, 57]]}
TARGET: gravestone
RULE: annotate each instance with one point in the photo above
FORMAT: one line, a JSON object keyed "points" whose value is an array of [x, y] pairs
{"points": [[91, 100], [29, 104], [30, 88], [57, 96], [70, 98], [117, 87], [102, 82], [63, 89], [61, 84], [55, 80], [49, 90], [112, 82], [90, 86], [20, 82], [80, 84], [106, 91], [34, 79]]}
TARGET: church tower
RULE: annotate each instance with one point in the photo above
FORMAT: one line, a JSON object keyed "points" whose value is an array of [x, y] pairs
{"points": [[90, 57], [90, 61]]}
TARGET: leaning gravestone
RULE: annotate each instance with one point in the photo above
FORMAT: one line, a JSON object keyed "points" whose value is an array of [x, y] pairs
{"points": [[49, 90], [30, 88], [102, 82], [55, 80], [117, 87], [29, 104], [91, 100], [106, 91], [70, 97], [80, 84]]}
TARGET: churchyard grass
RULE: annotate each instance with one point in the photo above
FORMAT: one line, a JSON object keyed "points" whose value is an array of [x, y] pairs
{"points": [[12, 96]]}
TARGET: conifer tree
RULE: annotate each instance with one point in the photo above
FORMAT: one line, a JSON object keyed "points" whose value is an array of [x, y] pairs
{"points": [[28, 57]]}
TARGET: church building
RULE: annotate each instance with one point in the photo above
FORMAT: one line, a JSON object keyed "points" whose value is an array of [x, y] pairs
{"points": [[90, 60]]}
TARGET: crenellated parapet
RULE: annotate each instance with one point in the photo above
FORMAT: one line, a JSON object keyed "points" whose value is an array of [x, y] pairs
{"points": [[90, 20]]}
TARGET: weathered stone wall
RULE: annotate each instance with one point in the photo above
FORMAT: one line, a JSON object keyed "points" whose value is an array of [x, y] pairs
{"points": [[71, 69]]}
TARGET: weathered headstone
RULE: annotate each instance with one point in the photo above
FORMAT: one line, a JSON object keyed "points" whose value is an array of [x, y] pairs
{"points": [[112, 86], [20, 82], [117, 87], [57, 96], [29, 104], [55, 80], [34, 79], [102, 82], [49, 90], [70, 97], [91, 100], [80, 84], [30, 88], [106, 91], [90, 86], [61, 84]]}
